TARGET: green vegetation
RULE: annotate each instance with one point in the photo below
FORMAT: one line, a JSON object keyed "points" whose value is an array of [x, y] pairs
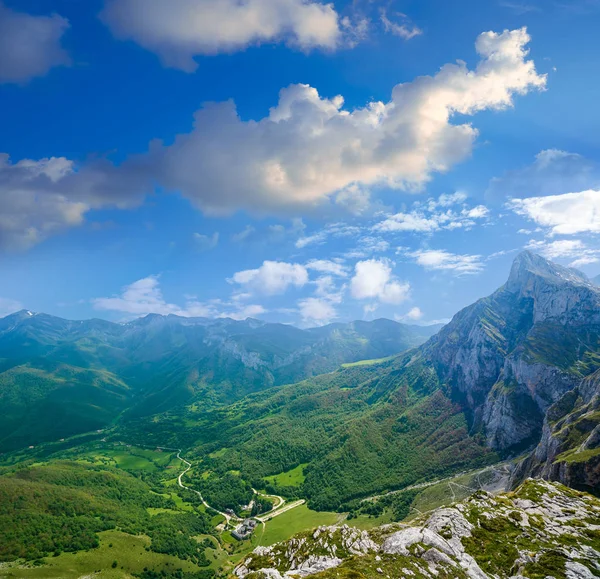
{"points": [[131, 553], [292, 478], [295, 521], [229, 491], [62, 506], [59, 378], [573, 456], [366, 362], [392, 420], [398, 504]]}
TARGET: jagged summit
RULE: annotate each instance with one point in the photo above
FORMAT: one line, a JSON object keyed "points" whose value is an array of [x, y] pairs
{"points": [[558, 293], [528, 265]]}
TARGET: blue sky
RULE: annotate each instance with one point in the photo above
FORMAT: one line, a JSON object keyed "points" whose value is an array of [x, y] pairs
{"points": [[195, 157]]}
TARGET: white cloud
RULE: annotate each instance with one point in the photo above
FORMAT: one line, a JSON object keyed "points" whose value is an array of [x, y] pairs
{"points": [[309, 147], [565, 214], [318, 311], [552, 173], [248, 311], [478, 212], [179, 30], [447, 200], [145, 297], [272, 277], [404, 29], [331, 230], [573, 249], [435, 259], [434, 215], [139, 298], [243, 235], [8, 306], [316, 238], [367, 246], [42, 197], [29, 45], [408, 222], [206, 242], [354, 198], [306, 150], [373, 279], [327, 266], [413, 315]]}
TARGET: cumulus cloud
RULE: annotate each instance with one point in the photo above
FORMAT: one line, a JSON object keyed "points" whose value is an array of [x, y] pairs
{"points": [[317, 311], [206, 242], [572, 249], [310, 148], [373, 279], [439, 259], [272, 277], [144, 297], [307, 150], [179, 30], [8, 306], [553, 172], [29, 45], [566, 214], [328, 266], [413, 315], [42, 197]]}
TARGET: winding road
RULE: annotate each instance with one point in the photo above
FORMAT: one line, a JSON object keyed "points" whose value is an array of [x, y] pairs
{"points": [[227, 516], [277, 510]]}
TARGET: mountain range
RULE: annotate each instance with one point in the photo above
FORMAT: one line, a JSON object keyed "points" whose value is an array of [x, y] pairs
{"points": [[516, 372], [363, 421], [60, 377]]}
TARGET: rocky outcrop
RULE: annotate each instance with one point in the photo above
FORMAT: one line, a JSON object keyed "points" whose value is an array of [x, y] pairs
{"points": [[541, 530]]}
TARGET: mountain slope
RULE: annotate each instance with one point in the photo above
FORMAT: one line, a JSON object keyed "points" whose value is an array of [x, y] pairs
{"points": [[512, 355], [60, 377], [507, 373]]}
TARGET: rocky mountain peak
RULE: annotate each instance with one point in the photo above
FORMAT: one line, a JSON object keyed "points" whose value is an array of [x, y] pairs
{"points": [[560, 294], [529, 266]]}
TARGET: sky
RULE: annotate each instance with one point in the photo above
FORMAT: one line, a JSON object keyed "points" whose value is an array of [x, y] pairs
{"points": [[292, 160]]}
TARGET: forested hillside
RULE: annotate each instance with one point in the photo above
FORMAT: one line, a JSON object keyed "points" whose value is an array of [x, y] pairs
{"points": [[60, 377]]}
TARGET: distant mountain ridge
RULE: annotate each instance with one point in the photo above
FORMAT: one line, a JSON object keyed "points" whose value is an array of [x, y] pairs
{"points": [[59, 377]]}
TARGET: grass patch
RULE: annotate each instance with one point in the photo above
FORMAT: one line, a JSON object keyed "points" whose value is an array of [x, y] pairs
{"points": [[366, 522], [127, 550], [367, 362], [295, 521], [291, 478], [583, 456]]}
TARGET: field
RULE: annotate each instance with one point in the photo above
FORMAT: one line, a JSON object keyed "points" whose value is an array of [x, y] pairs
{"points": [[291, 478], [294, 521], [128, 551], [130, 458], [366, 362]]}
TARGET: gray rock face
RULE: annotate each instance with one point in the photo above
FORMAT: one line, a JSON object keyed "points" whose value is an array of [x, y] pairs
{"points": [[512, 357], [461, 541]]}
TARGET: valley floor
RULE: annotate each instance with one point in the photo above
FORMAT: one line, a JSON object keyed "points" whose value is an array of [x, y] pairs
{"points": [[121, 554]]}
